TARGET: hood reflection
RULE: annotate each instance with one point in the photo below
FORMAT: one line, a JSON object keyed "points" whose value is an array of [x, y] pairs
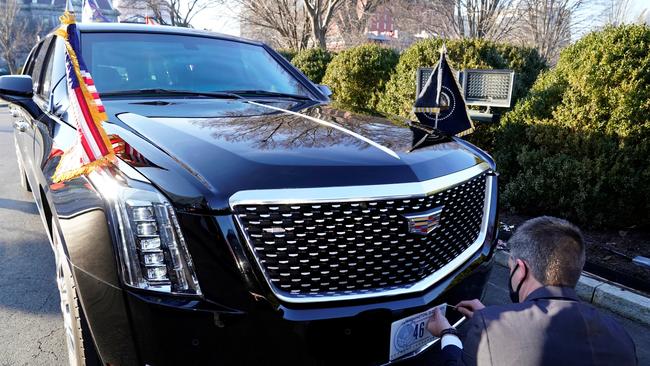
{"points": [[286, 131]]}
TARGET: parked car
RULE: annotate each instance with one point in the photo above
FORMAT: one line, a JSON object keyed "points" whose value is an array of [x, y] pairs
{"points": [[245, 221]]}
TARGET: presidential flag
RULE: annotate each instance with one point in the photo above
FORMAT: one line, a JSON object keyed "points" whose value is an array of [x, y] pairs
{"points": [[93, 148], [440, 104], [90, 13]]}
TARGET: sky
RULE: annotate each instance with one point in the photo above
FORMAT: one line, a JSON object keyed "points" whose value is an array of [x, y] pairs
{"points": [[223, 18], [636, 7]]}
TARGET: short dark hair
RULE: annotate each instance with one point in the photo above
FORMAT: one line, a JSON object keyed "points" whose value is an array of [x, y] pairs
{"points": [[552, 247]]}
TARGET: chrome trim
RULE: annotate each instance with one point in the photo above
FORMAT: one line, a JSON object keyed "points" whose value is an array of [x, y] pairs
{"points": [[359, 193], [423, 348], [355, 193]]}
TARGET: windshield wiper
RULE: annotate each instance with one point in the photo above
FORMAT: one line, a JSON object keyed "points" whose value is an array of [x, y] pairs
{"points": [[267, 93], [159, 91]]}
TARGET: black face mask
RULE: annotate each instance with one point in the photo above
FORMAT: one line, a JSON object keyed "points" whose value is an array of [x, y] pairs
{"points": [[514, 294]]}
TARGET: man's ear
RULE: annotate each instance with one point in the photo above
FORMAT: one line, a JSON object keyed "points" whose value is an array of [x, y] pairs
{"points": [[522, 268], [521, 263]]}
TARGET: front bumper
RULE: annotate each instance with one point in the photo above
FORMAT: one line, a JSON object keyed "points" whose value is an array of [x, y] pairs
{"points": [[172, 331]]}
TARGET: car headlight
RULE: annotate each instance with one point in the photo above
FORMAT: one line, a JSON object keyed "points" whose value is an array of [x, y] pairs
{"points": [[152, 251]]}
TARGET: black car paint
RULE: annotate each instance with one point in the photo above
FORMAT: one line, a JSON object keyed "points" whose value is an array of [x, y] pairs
{"points": [[265, 149], [198, 168]]}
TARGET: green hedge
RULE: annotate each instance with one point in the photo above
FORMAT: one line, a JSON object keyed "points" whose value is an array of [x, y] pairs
{"points": [[578, 145], [313, 63], [527, 64], [462, 54], [287, 53], [357, 76]]}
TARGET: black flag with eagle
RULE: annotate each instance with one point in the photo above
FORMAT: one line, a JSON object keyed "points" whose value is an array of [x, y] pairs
{"points": [[440, 104]]}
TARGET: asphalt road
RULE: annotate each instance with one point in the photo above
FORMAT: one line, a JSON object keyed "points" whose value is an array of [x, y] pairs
{"points": [[31, 331]]}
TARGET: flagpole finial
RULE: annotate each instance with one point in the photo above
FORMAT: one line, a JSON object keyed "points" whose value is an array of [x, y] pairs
{"points": [[67, 18], [68, 6]]}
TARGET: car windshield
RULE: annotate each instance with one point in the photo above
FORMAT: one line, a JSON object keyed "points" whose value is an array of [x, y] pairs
{"points": [[122, 62]]}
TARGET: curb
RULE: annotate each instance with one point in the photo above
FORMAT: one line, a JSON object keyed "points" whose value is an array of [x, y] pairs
{"points": [[605, 294]]}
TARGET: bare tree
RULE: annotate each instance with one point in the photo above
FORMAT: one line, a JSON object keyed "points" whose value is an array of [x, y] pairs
{"points": [[16, 34], [320, 14], [643, 17], [488, 19], [283, 23], [485, 19], [615, 11], [352, 19], [549, 24], [423, 18], [179, 13]]}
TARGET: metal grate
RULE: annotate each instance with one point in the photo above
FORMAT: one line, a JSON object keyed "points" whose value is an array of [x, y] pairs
{"points": [[495, 86], [488, 88], [342, 248]]}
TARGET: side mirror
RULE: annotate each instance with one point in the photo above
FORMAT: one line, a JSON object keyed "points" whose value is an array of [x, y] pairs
{"points": [[16, 86], [325, 90], [18, 90]]}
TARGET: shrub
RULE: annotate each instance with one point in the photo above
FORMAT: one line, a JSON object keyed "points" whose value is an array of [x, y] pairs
{"points": [[578, 145], [462, 54], [358, 75], [287, 53], [313, 63], [527, 64]]}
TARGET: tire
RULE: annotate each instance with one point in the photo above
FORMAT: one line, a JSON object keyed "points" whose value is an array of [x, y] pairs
{"points": [[81, 350]]}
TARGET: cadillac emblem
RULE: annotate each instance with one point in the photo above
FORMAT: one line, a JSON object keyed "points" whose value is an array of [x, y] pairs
{"points": [[423, 223]]}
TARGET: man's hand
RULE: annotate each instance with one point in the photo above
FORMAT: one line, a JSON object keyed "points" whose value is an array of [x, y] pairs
{"points": [[437, 323], [468, 307]]}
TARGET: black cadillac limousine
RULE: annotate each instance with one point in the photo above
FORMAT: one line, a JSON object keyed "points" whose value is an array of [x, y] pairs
{"points": [[245, 220]]}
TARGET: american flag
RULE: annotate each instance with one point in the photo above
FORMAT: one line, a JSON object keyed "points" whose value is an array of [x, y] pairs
{"points": [[93, 148]]}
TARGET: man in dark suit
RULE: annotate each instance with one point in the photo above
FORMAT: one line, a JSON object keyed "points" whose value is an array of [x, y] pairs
{"points": [[547, 324]]}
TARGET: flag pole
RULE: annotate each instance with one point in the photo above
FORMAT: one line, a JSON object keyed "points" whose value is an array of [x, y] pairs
{"points": [[443, 50]]}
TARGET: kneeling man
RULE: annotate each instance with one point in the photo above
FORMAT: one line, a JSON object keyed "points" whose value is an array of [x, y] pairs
{"points": [[547, 324]]}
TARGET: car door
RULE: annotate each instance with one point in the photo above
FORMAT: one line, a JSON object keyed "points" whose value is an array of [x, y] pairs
{"points": [[21, 116], [28, 121], [53, 95]]}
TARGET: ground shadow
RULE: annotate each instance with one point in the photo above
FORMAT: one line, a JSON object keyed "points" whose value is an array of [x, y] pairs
{"points": [[15, 205]]}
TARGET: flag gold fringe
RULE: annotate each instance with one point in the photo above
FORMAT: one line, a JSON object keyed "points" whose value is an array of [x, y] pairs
{"points": [[104, 161], [426, 109], [466, 132]]}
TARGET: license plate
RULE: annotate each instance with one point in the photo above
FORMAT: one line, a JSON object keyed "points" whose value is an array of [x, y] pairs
{"points": [[410, 334]]}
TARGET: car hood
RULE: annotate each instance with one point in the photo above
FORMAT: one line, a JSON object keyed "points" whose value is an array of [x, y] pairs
{"points": [[202, 151]]}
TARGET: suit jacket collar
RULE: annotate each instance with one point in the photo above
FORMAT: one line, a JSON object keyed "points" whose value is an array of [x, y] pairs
{"points": [[553, 292]]}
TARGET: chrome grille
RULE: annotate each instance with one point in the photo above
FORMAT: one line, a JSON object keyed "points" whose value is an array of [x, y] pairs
{"points": [[363, 247]]}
